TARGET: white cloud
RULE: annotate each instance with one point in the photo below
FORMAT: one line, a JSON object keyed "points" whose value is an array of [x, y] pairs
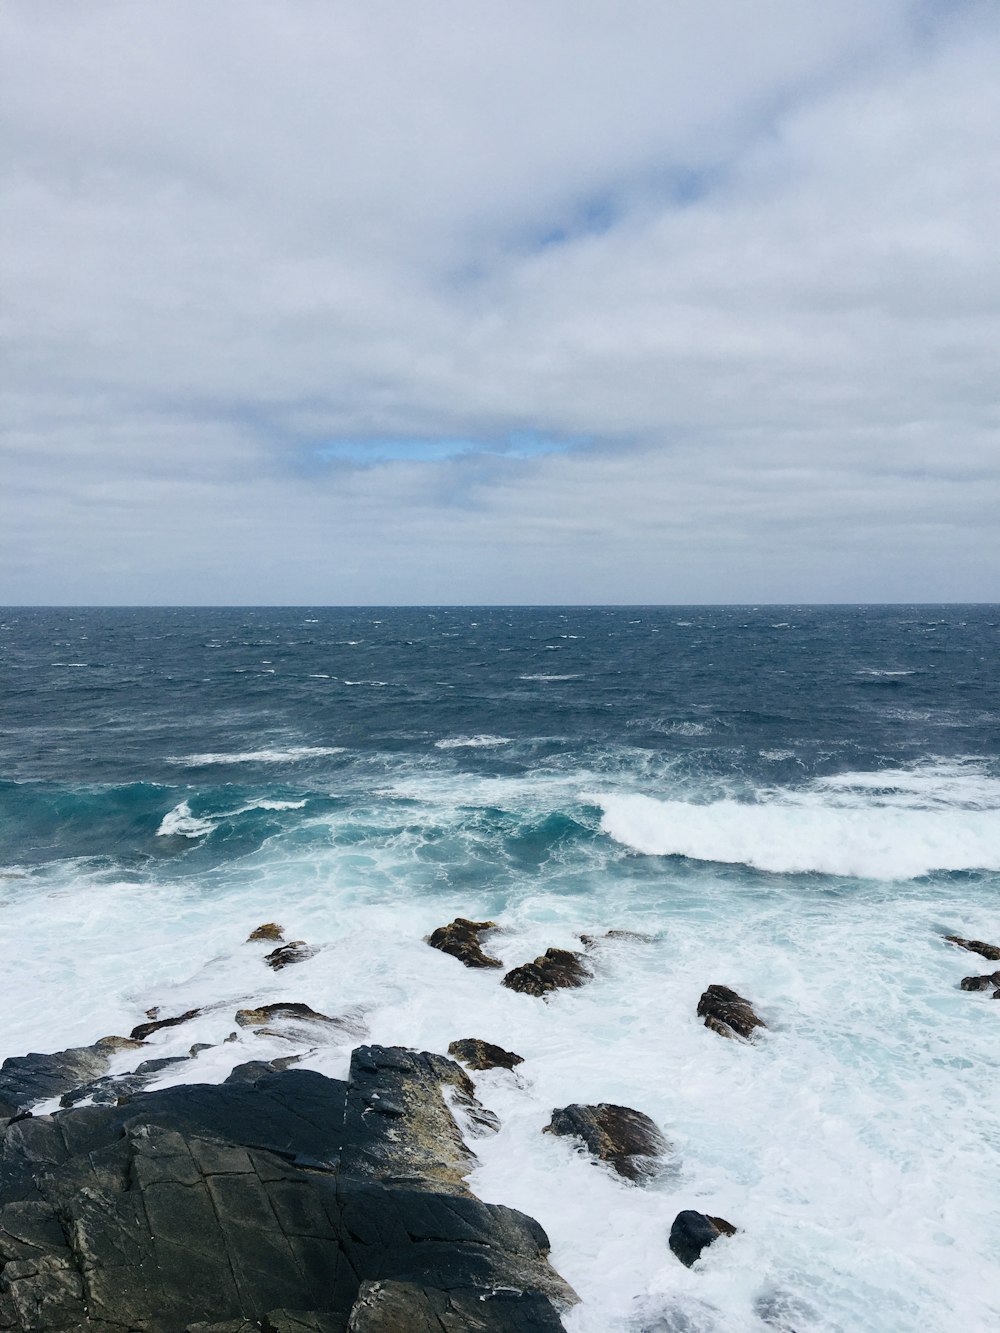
{"points": [[746, 251]]}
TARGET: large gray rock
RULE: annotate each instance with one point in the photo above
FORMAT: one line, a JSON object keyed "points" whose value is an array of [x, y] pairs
{"points": [[277, 1200]]}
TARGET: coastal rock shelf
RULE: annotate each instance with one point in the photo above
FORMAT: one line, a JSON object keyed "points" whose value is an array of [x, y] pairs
{"points": [[279, 1200]]}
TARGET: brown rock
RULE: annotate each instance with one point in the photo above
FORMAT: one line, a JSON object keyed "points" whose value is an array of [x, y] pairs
{"points": [[297, 951], [627, 1140], [478, 1054], [270, 930], [991, 952], [981, 983], [727, 1013], [248, 1018], [461, 940], [555, 969], [144, 1029]]}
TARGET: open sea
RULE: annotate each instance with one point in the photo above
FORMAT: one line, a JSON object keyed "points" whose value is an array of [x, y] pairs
{"points": [[797, 802]]}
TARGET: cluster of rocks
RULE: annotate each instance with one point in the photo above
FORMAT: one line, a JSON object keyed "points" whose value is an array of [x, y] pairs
{"points": [[991, 952], [285, 1200]]}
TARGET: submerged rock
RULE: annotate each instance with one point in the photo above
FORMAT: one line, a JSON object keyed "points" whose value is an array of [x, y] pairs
{"points": [[727, 1013], [461, 940], [296, 951], [275, 1201], [981, 983], [693, 1231], [627, 1140], [478, 1054], [991, 952], [555, 969], [145, 1030], [270, 930], [632, 936]]}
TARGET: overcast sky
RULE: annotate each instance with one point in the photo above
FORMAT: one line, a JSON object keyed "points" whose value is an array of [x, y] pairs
{"points": [[311, 301]]}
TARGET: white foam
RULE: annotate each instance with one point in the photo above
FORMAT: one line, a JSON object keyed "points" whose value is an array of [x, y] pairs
{"points": [[181, 823], [287, 755], [540, 675], [472, 742], [797, 836]]}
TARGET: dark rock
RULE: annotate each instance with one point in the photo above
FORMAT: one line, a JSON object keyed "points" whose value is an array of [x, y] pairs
{"points": [[727, 1013], [478, 1054], [144, 1030], [627, 1140], [406, 1307], [107, 1091], [461, 940], [248, 1018], [991, 952], [274, 1201], [981, 983], [555, 969], [270, 930], [297, 951], [693, 1231], [28, 1079]]}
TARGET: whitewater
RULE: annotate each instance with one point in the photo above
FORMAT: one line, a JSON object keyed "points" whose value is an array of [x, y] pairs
{"points": [[797, 802]]}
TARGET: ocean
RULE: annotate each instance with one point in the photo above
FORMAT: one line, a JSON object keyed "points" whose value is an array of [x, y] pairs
{"points": [[798, 802]]}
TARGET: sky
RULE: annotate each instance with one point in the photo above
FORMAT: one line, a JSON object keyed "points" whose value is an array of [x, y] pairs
{"points": [[499, 301]]}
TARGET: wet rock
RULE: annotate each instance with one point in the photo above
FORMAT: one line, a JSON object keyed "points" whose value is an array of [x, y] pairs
{"points": [[555, 969], [270, 930], [981, 983], [407, 1307], [727, 1013], [693, 1231], [627, 1140], [110, 1089], [145, 1030], [478, 1054], [28, 1079], [297, 951], [991, 952], [248, 1018], [460, 939], [275, 1201], [590, 942]]}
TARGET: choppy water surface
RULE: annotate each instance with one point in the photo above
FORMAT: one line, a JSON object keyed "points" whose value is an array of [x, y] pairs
{"points": [[797, 802]]}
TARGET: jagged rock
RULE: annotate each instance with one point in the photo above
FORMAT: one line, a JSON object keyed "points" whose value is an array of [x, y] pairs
{"points": [[727, 1013], [297, 951], [274, 1201], [293, 1021], [28, 1079], [478, 1054], [555, 969], [461, 939], [991, 952], [270, 930], [693, 1231], [144, 1030], [248, 1018], [981, 983], [627, 1140]]}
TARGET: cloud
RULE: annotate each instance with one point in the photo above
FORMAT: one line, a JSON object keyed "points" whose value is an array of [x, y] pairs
{"points": [[535, 303]]}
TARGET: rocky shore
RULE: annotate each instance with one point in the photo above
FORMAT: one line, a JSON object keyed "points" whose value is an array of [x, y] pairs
{"points": [[284, 1201]]}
